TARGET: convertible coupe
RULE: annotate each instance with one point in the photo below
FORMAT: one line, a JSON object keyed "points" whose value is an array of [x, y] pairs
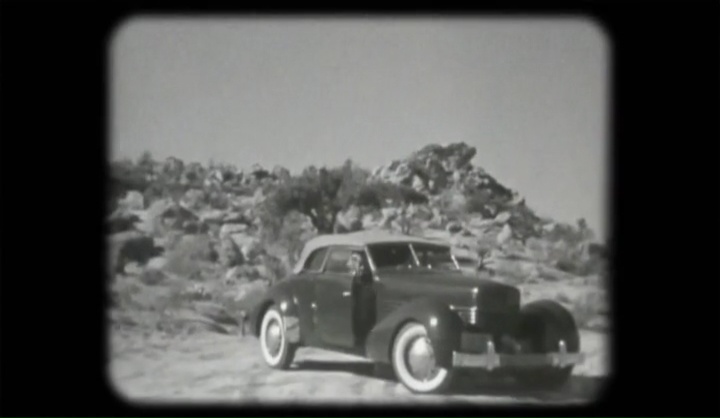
{"points": [[404, 302]]}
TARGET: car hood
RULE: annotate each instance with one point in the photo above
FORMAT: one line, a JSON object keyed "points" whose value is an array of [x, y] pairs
{"points": [[453, 287]]}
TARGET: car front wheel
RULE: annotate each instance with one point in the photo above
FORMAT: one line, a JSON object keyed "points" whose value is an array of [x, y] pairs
{"points": [[414, 362], [277, 351]]}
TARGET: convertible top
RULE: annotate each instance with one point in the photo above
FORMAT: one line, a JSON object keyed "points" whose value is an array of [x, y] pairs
{"points": [[360, 239]]}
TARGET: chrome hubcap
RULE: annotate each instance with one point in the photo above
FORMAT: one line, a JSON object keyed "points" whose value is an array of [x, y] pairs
{"points": [[273, 338], [421, 359]]}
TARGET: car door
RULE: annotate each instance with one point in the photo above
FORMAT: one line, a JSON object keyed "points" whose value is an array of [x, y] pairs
{"points": [[334, 300], [311, 270]]}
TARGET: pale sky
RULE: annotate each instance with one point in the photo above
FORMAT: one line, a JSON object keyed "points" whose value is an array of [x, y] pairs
{"points": [[530, 95]]}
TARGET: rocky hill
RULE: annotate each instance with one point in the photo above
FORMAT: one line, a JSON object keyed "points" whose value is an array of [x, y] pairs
{"points": [[193, 245]]}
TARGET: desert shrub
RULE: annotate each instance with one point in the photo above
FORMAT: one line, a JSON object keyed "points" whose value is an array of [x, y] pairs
{"points": [[484, 203], [275, 268], [247, 297], [289, 233], [452, 204], [131, 246], [321, 194], [186, 257], [218, 199], [124, 176], [571, 258], [121, 221], [153, 193]]}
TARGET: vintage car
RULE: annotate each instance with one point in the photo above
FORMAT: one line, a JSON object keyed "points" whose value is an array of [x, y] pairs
{"points": [[404, 303]]}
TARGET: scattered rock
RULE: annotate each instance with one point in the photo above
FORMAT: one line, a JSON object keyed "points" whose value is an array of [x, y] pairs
{"points": [[214, 216], [350, 220], [196, 291], [152, 277], [194, 199], [504, 235], [502, 217], [598, 323], [132, 269], [229, 229], [229, 255], [236, 218], [157, 263], [133, 200], [249, 246], [454, 227], [216, 313]]}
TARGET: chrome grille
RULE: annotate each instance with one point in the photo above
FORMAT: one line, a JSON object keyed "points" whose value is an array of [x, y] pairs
{"points": [[469, 315]]}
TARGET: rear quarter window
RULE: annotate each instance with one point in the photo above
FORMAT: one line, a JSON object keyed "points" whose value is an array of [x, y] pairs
{"points": [[315, 261], [338, 261]]}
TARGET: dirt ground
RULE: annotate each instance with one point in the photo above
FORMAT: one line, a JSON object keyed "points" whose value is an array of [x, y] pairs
{"points": [[213, 368]]}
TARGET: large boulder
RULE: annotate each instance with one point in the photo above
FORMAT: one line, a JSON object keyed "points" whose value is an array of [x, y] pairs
{"points": [[435, 168], [229, 255]]}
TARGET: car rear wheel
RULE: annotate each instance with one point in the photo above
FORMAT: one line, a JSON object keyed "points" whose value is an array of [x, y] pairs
{"points": [[414, 361], [277, 351]]}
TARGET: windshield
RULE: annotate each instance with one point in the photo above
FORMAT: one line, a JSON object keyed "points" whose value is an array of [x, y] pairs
{"points": [[391, 255], [400, 255], [434, 257]]}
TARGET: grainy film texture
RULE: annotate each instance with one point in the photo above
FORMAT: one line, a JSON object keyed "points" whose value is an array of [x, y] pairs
{"points": [[358, 210]]}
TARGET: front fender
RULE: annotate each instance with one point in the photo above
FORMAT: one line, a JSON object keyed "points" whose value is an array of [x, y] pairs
{"points": [[444, 329], [279, 295]]}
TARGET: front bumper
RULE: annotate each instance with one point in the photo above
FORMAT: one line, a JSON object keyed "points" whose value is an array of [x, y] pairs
{"points": [[490, 360]]}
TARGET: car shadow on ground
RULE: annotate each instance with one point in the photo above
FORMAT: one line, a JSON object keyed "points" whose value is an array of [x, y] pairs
{"points": [[578, 388]]}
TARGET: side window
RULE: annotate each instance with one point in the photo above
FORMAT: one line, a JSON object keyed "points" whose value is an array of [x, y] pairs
{"points": [[315, 261], [337, 261]]}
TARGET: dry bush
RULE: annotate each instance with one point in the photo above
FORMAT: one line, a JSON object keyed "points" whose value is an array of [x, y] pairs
{"points": [[591, 311], [188, 257], [130, 246], [275, 268]]}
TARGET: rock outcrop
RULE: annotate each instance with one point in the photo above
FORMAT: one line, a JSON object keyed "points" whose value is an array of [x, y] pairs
{"points": [[435, 168]]}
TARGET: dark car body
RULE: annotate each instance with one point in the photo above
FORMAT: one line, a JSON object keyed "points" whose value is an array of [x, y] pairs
{"points": [[466, 317]]}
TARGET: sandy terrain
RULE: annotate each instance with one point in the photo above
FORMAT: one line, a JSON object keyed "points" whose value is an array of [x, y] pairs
{"points": [[209, 367]]}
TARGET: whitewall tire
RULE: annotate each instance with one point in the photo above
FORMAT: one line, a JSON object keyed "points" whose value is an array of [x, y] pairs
{"points": [[277, 351], [414, 361]]}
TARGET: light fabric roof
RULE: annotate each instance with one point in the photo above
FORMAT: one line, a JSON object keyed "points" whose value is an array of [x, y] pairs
{"points": [[359, 239]]}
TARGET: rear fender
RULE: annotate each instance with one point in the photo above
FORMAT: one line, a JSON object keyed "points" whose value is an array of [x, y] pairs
{"points": [[444, 329]]}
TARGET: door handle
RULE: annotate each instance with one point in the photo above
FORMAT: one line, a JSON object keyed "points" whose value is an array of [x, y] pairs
{"points": [[346, 294]]}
